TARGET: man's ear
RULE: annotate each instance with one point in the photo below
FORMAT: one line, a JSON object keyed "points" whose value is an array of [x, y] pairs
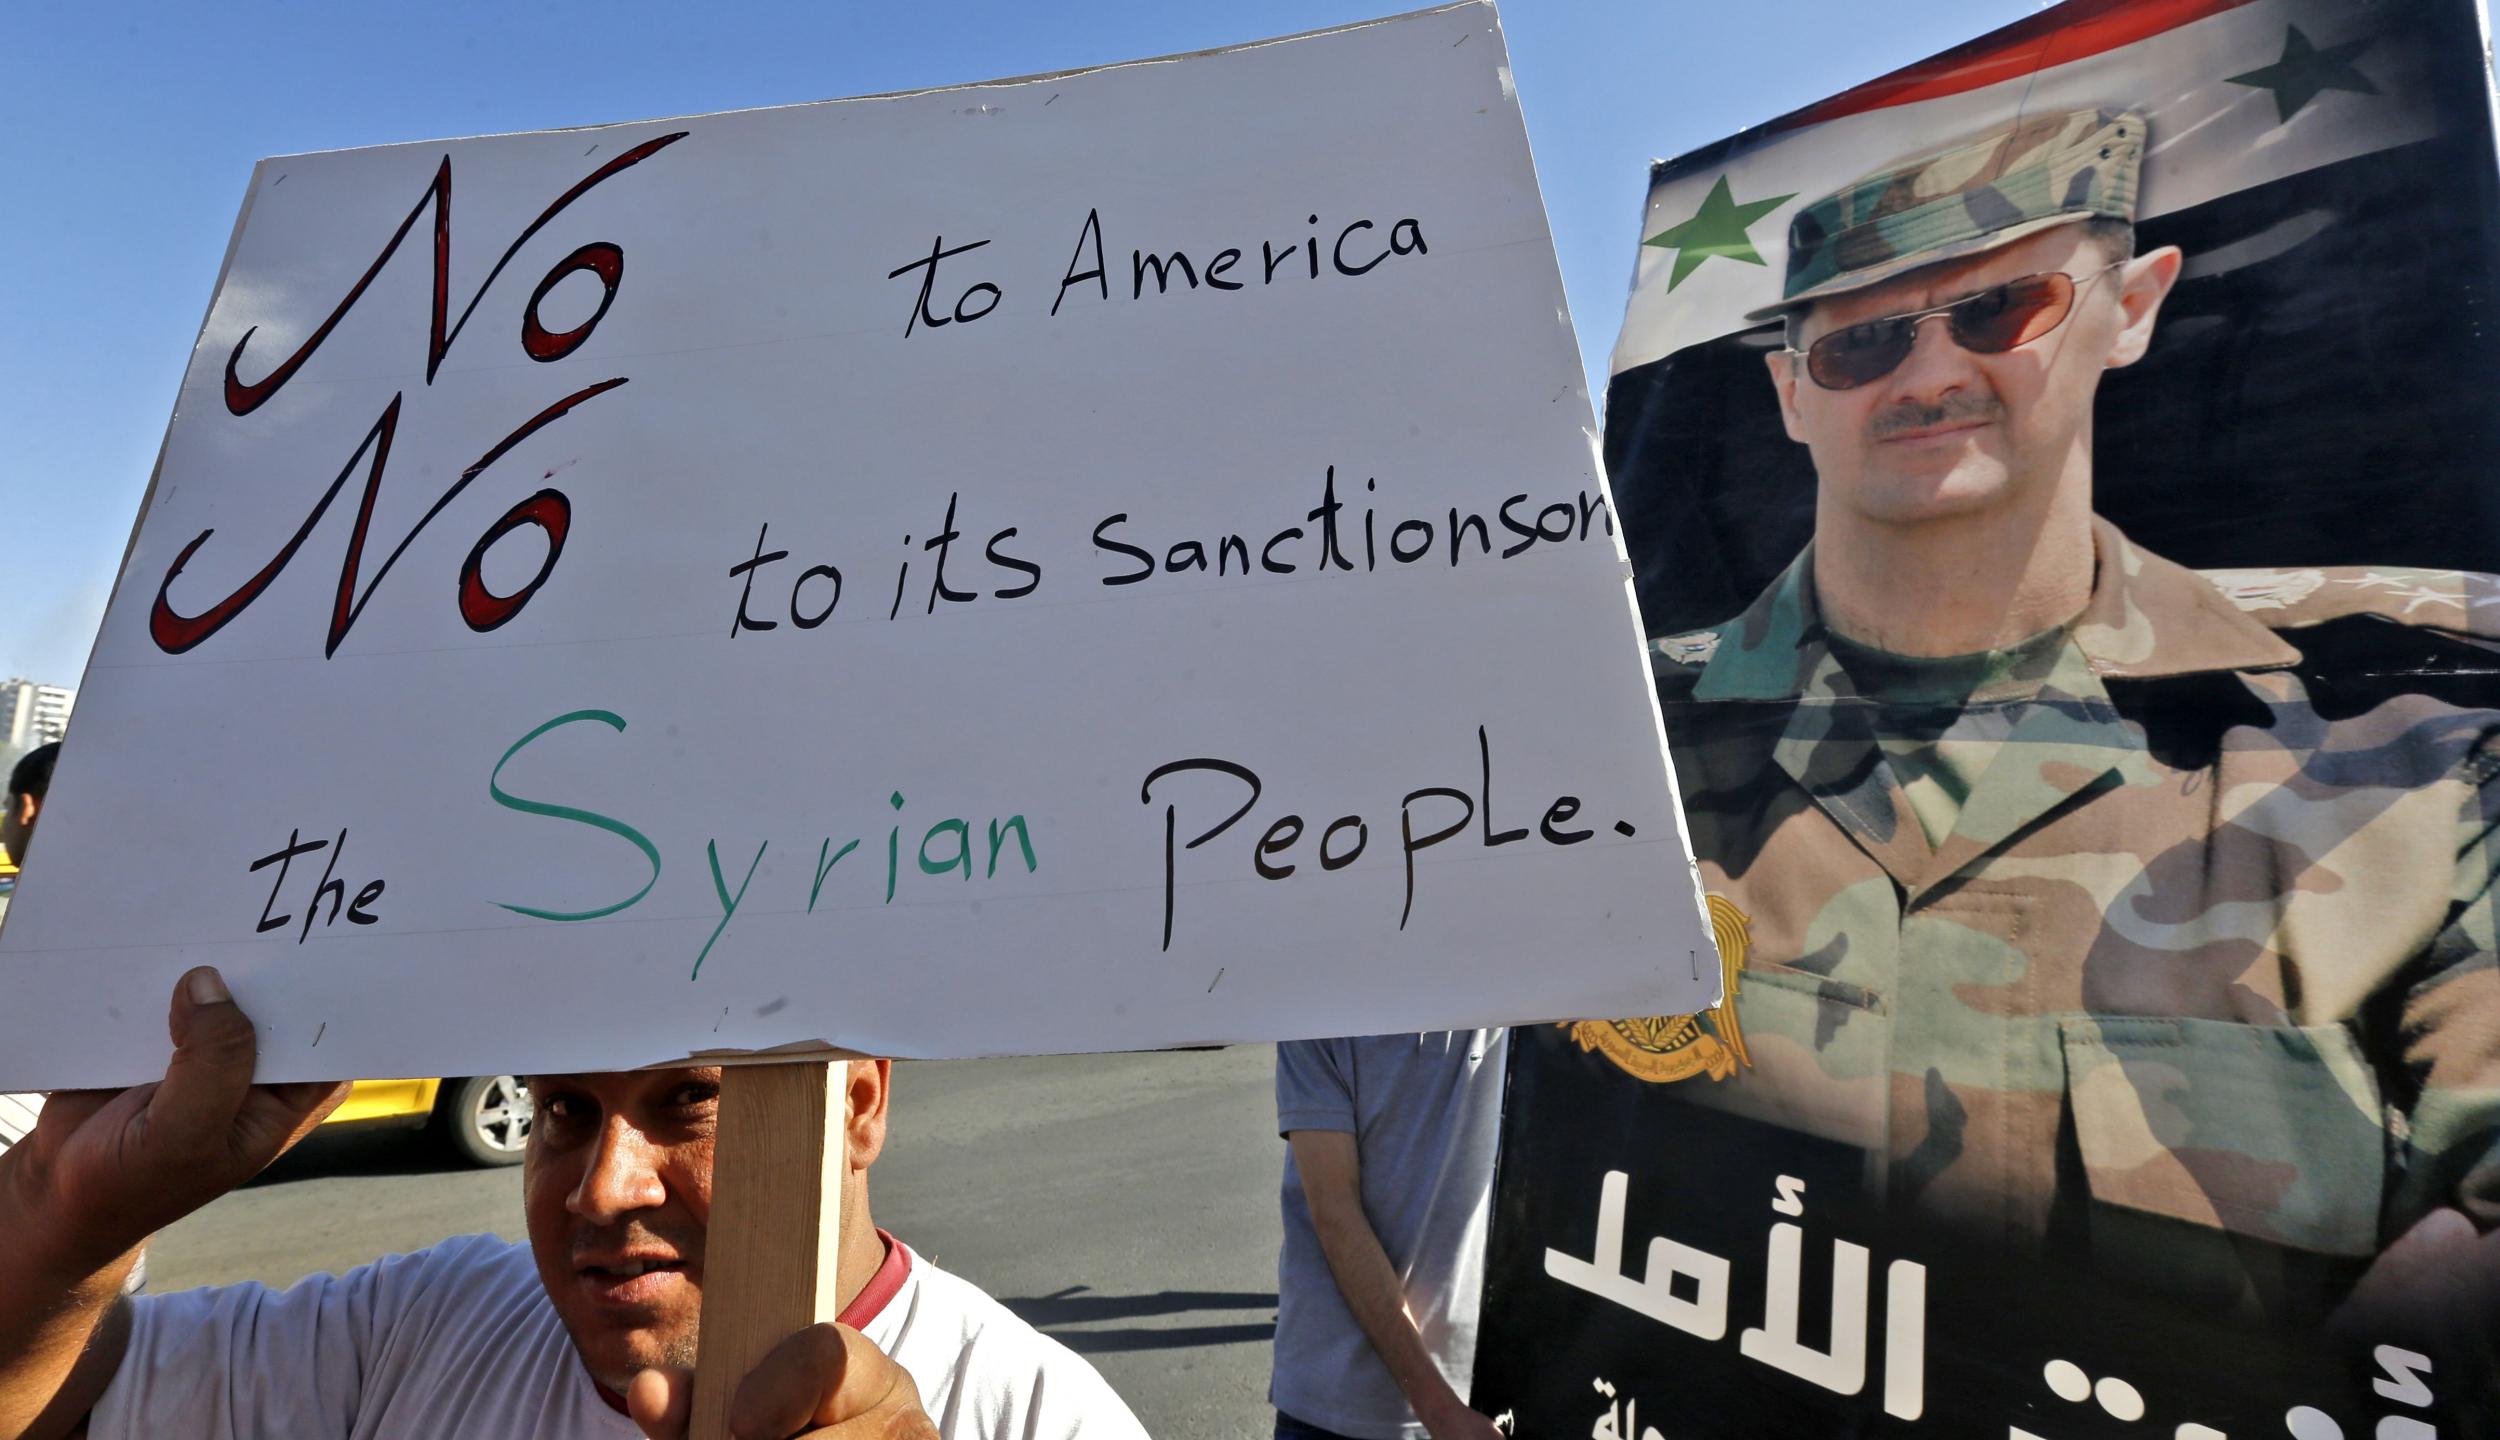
{"points": [[864, 1092], [2145, 283], [1784, 365]]}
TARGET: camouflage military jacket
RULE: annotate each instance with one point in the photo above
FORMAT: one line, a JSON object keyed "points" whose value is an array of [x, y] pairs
{"points": [[2211, 942]]}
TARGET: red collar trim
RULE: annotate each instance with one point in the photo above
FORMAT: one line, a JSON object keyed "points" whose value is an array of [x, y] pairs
{"points": [[881, 1287], [606, 1396], [864, 1307]]}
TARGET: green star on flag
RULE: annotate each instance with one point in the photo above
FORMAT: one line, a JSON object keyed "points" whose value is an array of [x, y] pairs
{"points": [[2305, 70], [1717, 229]]}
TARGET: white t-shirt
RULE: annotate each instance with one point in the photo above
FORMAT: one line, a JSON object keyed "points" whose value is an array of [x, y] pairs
{"points": [[17, 1117], [460, 1340]]}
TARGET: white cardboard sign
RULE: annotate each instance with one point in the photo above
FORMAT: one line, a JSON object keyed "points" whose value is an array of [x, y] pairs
{"points": [[1102, 561]]}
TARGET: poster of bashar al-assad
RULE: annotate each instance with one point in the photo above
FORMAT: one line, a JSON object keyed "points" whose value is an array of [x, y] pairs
{"points": [[2063, 480]]}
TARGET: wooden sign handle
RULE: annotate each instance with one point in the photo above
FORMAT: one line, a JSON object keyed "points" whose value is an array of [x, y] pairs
{"points": [[774, 1240]]}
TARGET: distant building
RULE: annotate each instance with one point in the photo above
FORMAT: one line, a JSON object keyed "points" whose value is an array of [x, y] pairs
{"points": [[32, 714]]}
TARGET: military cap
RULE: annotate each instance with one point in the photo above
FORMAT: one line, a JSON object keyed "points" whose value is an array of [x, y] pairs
{"points": [[2014, 180]]}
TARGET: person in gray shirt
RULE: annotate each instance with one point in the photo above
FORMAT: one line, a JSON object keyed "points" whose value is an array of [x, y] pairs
{"points": [[1388, 1189]]}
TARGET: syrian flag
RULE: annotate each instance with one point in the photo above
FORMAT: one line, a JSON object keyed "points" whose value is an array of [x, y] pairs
{"points": [[2328, 167]]}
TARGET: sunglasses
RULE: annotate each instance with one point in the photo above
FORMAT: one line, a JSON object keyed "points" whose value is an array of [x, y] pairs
{"points": [[1989, 323]]}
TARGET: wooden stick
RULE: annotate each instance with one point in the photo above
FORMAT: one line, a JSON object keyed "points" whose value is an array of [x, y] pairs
{"points": [[774, 1240]]}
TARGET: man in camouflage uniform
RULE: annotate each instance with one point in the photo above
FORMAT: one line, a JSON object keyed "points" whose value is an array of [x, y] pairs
{"points": [[2114, 909]]}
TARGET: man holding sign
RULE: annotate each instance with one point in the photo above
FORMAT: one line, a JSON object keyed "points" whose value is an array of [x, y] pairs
{"points": [[593, 1321], [792, 711]]}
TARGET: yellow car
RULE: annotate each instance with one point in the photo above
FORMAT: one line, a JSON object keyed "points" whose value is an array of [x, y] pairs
{"points": [[482, 1119]]}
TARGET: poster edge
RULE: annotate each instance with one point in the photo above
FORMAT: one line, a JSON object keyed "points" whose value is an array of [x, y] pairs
{"points": [[1000, 82]]}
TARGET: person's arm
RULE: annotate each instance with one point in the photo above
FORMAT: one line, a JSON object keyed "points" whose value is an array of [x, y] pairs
{"points": [[57, 1356], [101, 1173], [1332, 1183]]}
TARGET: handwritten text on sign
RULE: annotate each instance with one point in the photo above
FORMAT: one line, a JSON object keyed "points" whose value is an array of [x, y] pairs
{"points": [[1102, 561]]}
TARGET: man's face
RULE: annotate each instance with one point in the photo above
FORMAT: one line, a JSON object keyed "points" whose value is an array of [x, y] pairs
{"points": [[617, 1189], [1951, 432], [17, 824]]}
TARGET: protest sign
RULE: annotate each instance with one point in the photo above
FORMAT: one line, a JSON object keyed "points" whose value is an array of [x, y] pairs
{"points": [[1107, 560], [2113, 1043]]}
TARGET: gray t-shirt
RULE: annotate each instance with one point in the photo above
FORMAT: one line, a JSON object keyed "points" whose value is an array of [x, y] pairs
{"points": [[1426, 1115]]}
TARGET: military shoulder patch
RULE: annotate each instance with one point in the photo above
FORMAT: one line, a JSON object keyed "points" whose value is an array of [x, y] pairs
{"points": [[2462, 603], [1694, 649]]}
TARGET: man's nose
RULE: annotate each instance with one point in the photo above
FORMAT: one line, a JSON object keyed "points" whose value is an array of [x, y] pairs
{"points": [[1937, 365], [622, 1176]]}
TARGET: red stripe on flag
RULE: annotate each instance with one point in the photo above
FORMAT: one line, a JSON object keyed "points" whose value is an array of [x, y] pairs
{"points": [[2073, 31]]}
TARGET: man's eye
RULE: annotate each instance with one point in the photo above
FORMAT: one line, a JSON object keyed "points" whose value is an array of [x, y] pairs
{"points": [[562, 1109], [1987, 304], [1860, 337], [693, 1096]]}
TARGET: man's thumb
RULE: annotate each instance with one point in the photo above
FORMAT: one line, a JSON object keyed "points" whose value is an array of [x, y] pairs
{"points": [[211, 1070]]}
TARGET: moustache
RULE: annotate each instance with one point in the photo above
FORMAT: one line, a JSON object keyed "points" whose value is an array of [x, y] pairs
{"points": [[1953, 410], [684, 1242]]}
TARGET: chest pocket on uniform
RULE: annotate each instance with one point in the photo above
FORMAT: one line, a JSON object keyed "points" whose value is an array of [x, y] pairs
{"points": [[1819, 1053], [2271, 1132]]}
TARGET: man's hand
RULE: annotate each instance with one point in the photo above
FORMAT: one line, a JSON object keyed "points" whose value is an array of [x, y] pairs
{"points": [[104, 1170], [827, 1382]]}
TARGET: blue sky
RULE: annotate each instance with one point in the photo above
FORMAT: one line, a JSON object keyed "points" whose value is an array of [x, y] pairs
{"points": [[134, 128]]}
